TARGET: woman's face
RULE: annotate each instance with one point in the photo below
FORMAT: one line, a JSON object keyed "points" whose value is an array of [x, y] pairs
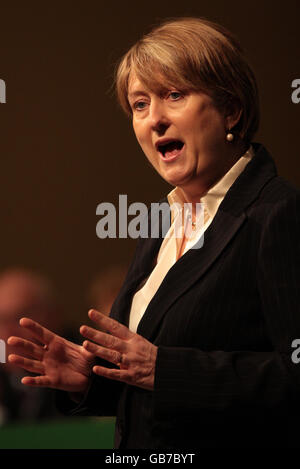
{"points": [[183, 136]]}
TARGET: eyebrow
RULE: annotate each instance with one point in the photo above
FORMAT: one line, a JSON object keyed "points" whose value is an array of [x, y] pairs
{"points": [[137, 93]]}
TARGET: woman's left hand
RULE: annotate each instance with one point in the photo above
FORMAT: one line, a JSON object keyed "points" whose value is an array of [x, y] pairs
{"points": [[134, 354]]}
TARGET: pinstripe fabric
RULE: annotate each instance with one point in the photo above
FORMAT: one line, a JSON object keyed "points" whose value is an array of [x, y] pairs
{"points": [[172, 248], [223, 319]]}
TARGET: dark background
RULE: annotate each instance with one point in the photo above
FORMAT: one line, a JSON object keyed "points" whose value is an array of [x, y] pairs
{"points": [[65, 144]]}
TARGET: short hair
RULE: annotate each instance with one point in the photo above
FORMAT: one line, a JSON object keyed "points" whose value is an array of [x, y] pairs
{"points": [[194, 54]]}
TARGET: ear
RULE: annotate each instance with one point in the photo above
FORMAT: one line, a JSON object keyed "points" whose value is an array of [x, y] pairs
{"points": [[232, 115]]}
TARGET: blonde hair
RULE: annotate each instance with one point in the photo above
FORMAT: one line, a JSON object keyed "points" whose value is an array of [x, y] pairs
{"points": [[194, 54]]}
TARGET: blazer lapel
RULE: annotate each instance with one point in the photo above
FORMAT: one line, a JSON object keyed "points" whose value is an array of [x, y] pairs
{"points": [[228, 220], [188, 270], [139, 270]]}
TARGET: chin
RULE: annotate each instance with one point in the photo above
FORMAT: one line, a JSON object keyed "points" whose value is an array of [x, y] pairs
{"points": [[176, 179]]}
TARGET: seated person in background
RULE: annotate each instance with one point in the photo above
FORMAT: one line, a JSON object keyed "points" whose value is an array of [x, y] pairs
{"points": [[23, 292]]}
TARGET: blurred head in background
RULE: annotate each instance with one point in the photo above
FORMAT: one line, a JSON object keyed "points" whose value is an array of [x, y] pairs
{"points": [[26, 293]]}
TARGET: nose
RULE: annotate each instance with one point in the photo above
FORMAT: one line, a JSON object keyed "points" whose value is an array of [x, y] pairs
{"points": [[158, 116]]}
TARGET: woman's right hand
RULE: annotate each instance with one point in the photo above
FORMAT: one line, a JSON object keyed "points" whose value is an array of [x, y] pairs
{"points": [[59, 363]]}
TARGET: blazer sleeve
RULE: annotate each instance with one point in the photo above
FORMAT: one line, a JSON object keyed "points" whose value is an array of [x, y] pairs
{"points": [[188, 380]]}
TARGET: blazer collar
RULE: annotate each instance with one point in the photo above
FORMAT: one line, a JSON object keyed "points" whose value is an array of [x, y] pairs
{"points": [[195, 262], [251, 181]]}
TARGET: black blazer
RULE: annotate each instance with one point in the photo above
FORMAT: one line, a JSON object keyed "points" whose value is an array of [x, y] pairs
{"points": [[223, 319]]}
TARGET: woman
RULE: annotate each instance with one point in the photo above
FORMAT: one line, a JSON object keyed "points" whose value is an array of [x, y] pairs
{"points": [[197, 349]]}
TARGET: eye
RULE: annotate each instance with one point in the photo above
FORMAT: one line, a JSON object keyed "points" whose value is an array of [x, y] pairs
{"points": [[139, 106], [175, 95]]}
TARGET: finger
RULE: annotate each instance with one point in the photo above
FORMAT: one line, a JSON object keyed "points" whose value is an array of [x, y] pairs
{"points": [[33, 366], [109, 355], [39, 332], [110, 325], [107, 340], [25, 347], [38, 381], [112, 373]]}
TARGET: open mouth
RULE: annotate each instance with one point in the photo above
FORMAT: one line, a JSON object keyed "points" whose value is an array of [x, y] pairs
{"points": [[170, 148]]}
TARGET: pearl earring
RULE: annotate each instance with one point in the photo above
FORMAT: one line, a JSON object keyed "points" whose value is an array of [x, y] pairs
{"points": [[229, 137]]}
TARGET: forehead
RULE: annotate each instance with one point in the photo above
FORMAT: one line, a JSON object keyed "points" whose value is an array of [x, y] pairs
{"points": [[156, 83], [135, 85]]}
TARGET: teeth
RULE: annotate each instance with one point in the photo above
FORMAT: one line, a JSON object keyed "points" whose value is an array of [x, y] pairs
{"points": [[170, 146]]}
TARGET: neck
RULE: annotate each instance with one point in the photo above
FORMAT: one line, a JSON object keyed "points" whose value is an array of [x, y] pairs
{"points": [[199, 186]]}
